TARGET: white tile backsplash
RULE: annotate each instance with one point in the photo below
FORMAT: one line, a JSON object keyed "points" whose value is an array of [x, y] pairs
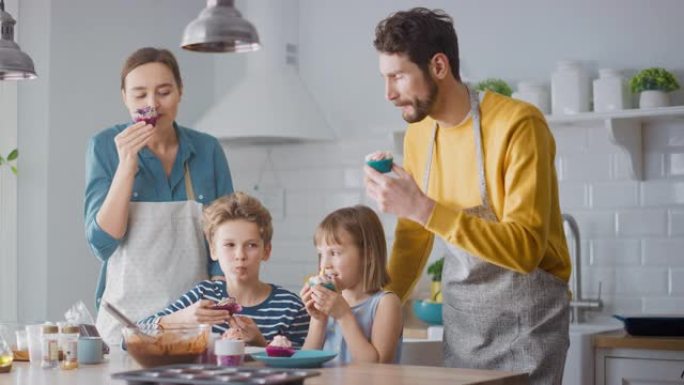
{"points": [[636, 223], [632, 231]]}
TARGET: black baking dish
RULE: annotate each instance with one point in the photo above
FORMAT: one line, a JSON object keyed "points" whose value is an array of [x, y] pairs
{"points": [[653, 325]]}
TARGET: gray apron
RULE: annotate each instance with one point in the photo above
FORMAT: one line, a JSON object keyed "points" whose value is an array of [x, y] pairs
{"points": [[496, 318]]}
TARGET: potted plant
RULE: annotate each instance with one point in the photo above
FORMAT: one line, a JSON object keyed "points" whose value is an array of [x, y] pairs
{"points": [[495, 85], [435, 273], [653, 85], [12, 156]]}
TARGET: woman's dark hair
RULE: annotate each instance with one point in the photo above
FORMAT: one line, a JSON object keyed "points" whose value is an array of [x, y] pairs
{"points": [[151, 55], [419, 33]]}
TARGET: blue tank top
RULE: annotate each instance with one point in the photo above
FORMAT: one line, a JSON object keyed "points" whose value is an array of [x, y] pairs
{"points": [[364, 314]]}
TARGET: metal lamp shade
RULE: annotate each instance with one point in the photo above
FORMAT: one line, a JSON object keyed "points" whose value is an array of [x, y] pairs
{"points": [[220, 28], [14, 64]]}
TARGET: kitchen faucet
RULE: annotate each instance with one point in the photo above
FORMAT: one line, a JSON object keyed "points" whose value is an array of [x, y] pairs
{"points": [[579, 305]]}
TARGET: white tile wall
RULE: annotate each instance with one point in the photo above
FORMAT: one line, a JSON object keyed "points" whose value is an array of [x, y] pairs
{"points": [[632, 231]]}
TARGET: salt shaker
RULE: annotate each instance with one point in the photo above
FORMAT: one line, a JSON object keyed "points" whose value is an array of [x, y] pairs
{"points": [[229, 352]]}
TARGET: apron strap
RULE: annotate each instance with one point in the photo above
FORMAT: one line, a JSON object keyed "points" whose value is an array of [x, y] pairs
{"points": [[477, 133], [188, 184]]}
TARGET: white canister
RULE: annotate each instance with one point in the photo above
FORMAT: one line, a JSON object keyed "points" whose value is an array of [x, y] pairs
{"points": [[570, 89], [535, 94], [610, 91]]}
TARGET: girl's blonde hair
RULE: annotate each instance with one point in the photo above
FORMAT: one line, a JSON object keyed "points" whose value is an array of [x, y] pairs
{"points": [[365, 229], [233, 207]]}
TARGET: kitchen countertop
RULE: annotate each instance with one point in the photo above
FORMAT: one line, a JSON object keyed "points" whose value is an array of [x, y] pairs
{"points": [[376, 374], [621, 340]]}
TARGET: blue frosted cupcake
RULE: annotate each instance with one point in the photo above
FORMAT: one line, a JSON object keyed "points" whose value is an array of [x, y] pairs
{"points": [[380, 160]]}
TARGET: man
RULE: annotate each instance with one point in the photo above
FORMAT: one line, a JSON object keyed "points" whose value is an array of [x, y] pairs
{"points": [[479, 173]]}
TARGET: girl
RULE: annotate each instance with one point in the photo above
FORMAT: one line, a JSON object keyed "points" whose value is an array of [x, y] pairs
{"points": [[358, 320]]}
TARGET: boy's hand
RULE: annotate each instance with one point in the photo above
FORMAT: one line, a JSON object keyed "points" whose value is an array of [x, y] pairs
{"points": [[329, 302], [199, 312], [307, 298], [249, 329]]}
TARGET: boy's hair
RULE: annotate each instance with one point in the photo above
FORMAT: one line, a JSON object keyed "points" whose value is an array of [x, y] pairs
{"points": [[365, 229], [419, 33], [237, 206]]}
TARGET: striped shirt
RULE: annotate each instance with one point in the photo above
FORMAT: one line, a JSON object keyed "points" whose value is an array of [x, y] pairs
{"points": [[282, 311]]}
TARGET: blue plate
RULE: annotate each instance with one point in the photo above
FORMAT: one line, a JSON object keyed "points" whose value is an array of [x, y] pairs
{"points": [[301, 359]]}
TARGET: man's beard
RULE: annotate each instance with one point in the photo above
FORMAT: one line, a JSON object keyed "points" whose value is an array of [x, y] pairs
{"points": [[422, 107]]}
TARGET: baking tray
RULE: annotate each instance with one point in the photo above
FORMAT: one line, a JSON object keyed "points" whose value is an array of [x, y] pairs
{"points": [[654, 326], [196, 374]]}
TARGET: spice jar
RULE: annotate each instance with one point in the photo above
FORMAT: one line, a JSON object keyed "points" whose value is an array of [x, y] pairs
{"points": [[229, 352], [69, 347], [50, 347]]}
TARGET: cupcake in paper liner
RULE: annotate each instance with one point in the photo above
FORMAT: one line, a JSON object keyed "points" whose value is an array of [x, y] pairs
{"points": [[146, 114], [229, 304], [280, 346], [234, 333], [322, 280], [380, 160]]}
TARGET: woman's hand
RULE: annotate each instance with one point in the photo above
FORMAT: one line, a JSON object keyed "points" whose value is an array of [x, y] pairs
{"points": [[249, 329], [307, 298], [200, 312], [329, 302], [130, 141]]}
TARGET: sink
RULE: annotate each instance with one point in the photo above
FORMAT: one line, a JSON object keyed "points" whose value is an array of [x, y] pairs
{"points": [[579, 363]]}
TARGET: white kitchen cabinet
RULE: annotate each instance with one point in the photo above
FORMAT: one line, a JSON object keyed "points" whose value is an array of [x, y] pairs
{"points": [[639, 367]]}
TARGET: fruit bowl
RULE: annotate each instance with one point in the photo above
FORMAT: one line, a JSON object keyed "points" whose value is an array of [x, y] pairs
{"points": [[428, 311], [154, 345]]}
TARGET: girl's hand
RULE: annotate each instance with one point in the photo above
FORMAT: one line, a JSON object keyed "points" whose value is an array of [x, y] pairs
{"points": [[130, 141], [249, 329], [306, 295], [200, 312], [329, 302]]}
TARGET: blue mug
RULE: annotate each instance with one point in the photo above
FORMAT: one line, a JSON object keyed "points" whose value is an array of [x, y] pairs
{"points": [[90, 350]]}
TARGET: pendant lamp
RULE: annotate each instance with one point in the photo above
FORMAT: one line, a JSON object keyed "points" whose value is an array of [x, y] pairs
{"points": [[220, 28], [14, 64]]}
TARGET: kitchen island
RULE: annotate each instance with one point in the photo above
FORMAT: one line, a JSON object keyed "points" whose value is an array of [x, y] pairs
{"points": [[377, 374]]}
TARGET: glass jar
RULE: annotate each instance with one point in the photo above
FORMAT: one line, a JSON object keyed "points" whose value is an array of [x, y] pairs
{"points": [[535, 94], [229, 352], [69, 347], [6, 356], [50, 347], [570, 90], [610, 91]]}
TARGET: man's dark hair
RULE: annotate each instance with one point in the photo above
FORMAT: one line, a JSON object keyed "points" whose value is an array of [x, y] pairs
{"points": [[419, 33]]}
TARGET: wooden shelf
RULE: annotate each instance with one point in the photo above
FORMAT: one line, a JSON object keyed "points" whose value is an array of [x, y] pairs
{"points": [[625, 128]]}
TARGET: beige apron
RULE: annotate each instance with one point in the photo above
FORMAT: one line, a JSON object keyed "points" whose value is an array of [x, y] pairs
{"points": [[162, 256], [496, 318]]}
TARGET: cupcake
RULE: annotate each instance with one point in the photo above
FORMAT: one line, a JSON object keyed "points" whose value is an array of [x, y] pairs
{"points": [[323, 280], [229, 304], [233, 334], [280, 346], [380, 160], [146, 114]]}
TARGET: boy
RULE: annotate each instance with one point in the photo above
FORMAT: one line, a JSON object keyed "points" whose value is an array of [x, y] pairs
{"points": [[238, 229]]}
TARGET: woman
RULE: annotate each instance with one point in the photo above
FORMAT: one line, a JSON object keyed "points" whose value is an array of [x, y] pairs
{"points": [[145, 187]]}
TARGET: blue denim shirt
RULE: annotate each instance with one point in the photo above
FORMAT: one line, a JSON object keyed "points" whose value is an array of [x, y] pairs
{"points": [[208, 170]]}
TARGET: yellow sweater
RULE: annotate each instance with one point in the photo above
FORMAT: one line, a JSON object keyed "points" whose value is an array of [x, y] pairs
{"points": [[522, 187]]}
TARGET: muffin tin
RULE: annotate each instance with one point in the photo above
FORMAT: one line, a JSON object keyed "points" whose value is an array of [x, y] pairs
{"points": [[197, 374]]}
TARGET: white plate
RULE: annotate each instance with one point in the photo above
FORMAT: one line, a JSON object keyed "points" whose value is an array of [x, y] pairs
{"points": [[254, 349]]}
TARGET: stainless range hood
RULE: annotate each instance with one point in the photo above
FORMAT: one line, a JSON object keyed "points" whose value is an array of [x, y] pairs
{"points": [[271, 104]]}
